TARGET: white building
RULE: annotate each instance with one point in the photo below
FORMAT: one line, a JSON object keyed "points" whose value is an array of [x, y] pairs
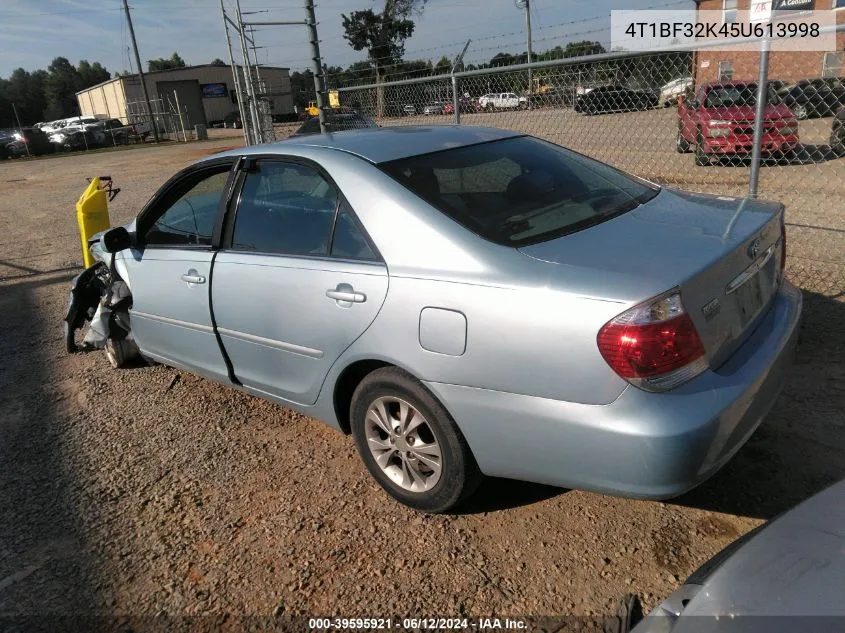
{"points": [[205, 93]]}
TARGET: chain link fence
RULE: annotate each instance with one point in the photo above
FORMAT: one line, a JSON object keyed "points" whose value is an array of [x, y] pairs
{"points": [[682, 119], [171, 120]]}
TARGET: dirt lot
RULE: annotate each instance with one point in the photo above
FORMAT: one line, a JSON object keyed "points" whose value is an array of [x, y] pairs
{"points": [[150, 491]]}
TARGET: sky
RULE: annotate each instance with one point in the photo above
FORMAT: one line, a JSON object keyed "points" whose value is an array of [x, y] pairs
{"points": [[33, 32]]}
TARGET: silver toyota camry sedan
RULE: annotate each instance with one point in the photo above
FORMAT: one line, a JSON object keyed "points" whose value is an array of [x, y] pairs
{"points": [[464, 301]]}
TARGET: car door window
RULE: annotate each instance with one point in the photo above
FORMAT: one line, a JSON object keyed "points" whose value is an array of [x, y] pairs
{"points": [[187, 214], [285, 208]]}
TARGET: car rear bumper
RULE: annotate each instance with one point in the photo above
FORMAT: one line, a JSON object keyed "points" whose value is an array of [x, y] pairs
{"points": [[745, 144], [644, 445]]}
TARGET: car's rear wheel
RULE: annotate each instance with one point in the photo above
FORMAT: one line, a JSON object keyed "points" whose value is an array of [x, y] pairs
{"points": [[837, 142], [801, 112], [702, 159], [410, 444], [682, 145]]}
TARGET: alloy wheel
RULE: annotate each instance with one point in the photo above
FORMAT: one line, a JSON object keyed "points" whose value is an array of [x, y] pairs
{"points": [[403, 444]]}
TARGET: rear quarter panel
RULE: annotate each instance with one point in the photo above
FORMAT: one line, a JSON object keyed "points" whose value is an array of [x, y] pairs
{"points": [[526, 340]]}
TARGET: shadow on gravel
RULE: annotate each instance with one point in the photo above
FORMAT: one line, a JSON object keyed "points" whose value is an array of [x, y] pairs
{"points": [[799, 449], [502, 494], [42, 568]]}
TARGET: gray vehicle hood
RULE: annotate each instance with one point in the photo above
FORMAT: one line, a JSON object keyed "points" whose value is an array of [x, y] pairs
{"points": [[794, 566]]}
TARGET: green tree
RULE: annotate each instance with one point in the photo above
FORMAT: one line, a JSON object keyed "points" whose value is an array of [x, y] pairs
{"points": [[91, 74], [382, 35], [174, 61], [218, 62], [60, 89], [584, 47], [26, 91], [443, 65]]}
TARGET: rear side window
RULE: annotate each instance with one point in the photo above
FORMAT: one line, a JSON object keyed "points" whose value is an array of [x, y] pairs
{"points": [[520, 191], [285, 208]]}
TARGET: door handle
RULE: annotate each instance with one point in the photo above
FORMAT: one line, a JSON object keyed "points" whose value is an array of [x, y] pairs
{"points": [[193, 277], [346, 293]]}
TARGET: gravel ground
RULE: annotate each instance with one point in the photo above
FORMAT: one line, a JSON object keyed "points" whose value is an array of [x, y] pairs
{"points": [[150, 491]]}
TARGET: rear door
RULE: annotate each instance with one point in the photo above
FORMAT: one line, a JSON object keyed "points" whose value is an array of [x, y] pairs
{"points": [[170, 273], [297, 279]]}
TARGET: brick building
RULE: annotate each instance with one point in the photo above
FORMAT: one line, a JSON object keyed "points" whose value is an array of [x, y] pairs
{"points": [[790, 66]]}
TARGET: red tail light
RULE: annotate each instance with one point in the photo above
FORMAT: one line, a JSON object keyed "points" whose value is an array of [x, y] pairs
{"points": [[654, 345]]}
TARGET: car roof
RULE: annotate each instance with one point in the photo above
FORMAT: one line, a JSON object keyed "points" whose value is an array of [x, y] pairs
{"points": [[379, 145]]}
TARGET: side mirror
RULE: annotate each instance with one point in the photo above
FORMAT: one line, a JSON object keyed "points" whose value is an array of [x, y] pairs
{"points": [[117, 239]]}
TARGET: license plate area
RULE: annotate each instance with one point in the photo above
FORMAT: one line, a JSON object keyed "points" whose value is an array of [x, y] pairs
{"points": [[754, 288]]}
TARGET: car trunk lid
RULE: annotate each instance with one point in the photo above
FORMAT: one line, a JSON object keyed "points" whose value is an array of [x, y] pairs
{"points": [[723, 253]]}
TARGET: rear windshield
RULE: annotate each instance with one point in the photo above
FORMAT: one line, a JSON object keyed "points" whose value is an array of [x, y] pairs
{"points": [[737, 95], [522, 190]]}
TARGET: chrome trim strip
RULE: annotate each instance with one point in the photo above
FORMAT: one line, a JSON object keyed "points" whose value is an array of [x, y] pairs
{"points": [[269, 342], [185, 324], [752, 270]]}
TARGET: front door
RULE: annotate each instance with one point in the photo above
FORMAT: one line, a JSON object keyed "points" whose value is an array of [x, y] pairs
{"points": [[170, 273], [296, 282]]}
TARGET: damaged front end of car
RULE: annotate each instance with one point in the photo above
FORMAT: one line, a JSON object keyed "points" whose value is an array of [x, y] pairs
{"points": [[98, 309]]}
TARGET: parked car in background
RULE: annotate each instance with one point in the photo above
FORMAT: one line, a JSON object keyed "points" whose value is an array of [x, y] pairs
{"points": [[781, 577], [434, 108], [718, 120], [6, 137], [814, 98], [116, 132], [233, 120], [837, 133], [409, 109], [29, 142], [93, 134], [606, 99], [502, 101], [466, 105], [72, 138], [336, 122], [467, 300], [671, 91]]}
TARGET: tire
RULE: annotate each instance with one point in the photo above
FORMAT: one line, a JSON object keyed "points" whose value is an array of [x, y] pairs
{"points": [[410, 480], [801, 112], [682, 145], [120, 352], [489, 107], [701, 157]]}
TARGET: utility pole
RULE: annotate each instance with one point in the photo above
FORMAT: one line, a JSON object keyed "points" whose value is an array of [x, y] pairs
{"points": [[235, 76], [311, 21], [526, 4], [140, 71], [250, 91]]}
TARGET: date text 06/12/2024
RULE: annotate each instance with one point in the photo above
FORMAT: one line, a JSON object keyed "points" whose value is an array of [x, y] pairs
{"points": [[415, 624]]}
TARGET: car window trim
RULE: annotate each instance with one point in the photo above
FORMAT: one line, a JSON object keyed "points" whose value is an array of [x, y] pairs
{"points": [[228, 223], [143, 224]]}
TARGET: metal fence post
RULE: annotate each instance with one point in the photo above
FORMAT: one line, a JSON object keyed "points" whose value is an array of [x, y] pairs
{"points": [[762, 100], [456, 97], [316, 65], [456, 100]]}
